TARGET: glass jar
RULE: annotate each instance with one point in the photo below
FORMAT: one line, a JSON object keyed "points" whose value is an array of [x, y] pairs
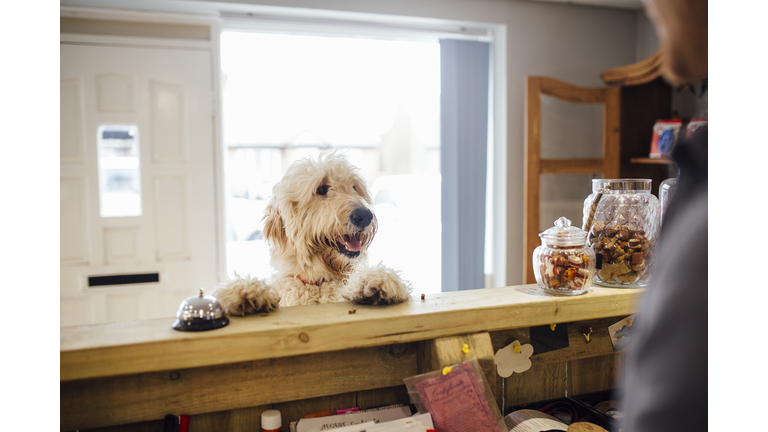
{"points": [[622, 218], [563, 264], [666, 191]]}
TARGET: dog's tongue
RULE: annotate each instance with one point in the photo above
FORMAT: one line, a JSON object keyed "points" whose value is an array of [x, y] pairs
{"points": [[351, 243]]}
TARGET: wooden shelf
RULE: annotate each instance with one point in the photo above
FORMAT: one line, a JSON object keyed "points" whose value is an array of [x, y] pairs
{"points": [[131, 347], [139, 371], [652, 161]]}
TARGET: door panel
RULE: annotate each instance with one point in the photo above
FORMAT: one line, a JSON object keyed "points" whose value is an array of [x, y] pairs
{"points": [[155, 156]]}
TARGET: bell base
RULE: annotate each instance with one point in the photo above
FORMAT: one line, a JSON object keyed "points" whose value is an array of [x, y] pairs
{"points": [[200, 325]]}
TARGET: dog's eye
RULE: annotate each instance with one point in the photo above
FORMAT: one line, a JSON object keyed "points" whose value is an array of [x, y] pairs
{"points": [[322, 190], [354, 188]]}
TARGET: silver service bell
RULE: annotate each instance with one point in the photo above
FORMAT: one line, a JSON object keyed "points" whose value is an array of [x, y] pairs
{"points": [[200, 313]]}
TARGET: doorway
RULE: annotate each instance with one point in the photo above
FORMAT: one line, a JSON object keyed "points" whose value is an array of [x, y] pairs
{"points": [[138, 225]]}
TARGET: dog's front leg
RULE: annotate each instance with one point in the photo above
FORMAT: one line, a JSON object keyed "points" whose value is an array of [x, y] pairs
{"points": [[245, 295], [377, 285]]}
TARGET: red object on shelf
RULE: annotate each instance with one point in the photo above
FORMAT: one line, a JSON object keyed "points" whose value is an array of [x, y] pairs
{"points": [[184, 423], [694, 124]]}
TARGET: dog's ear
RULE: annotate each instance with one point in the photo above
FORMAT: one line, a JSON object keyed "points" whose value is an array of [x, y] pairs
{"points": [[274, 230]]}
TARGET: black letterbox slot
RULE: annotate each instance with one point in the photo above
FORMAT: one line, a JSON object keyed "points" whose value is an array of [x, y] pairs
{"points": [[125, 279]]}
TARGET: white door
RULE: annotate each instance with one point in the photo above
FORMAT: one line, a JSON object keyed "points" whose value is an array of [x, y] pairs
{"points": [[138, 226]]}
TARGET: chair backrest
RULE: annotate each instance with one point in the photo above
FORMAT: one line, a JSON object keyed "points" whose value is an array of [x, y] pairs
{"points": [[535, 166]]}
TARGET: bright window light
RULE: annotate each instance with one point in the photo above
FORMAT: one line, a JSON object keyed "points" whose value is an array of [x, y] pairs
{"points": [[119, 171], [286, 97]]}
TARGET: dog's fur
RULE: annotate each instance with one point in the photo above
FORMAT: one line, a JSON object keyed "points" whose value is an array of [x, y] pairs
{"points": [[319, 222]]}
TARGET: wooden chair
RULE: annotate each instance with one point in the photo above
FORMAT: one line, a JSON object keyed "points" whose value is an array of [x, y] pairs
{"points": [[535, 166]]}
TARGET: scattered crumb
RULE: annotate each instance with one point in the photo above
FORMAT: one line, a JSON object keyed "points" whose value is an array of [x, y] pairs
{"points": [[423, 296], [351, 311]]}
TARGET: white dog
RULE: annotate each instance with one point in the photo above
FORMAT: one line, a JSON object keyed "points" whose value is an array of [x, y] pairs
{"points": [[319, 223]]}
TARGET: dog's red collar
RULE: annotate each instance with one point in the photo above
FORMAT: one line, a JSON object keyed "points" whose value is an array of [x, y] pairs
{"points": [[316, 283]]}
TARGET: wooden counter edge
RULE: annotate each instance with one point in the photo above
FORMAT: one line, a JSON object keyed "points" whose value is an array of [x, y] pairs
{"points": [[147, 346]]}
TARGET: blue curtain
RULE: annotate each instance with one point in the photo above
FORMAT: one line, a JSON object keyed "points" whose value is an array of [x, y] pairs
{"points": [[464, 95]]}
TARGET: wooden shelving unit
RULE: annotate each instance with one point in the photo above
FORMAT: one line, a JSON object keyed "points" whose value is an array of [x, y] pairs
{"points": [[645, 98]]}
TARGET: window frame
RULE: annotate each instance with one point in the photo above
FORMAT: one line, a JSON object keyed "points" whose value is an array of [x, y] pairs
{"points": [[348, 24]]}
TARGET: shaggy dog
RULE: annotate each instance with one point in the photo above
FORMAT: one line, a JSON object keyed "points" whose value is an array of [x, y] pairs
{"points": [[319, 223]]}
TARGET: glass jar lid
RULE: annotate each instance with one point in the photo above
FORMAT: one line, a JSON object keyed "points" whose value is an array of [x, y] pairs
{"points": [[621, 184], [563, 234]]}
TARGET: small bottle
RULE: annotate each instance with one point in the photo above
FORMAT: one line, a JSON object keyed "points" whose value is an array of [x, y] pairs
{"points": [[271, 421], [666, 190]]}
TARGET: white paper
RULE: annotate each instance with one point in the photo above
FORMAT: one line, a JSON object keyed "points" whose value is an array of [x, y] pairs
{"points": [[425, 419], [527, 420], [339, 421], [509, 360], [416, 423]]}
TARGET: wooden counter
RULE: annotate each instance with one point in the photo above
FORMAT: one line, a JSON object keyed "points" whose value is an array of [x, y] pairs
{"points": [[139, 371]]}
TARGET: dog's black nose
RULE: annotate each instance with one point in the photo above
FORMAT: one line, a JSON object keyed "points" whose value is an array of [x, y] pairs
{"points": [[361, 217]]}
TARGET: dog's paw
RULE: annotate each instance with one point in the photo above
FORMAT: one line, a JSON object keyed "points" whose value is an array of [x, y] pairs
{"points": [[377, 285], [245, 295]]}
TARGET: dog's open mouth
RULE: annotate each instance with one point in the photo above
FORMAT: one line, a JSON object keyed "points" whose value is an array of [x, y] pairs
{"points": [[348, 245]]}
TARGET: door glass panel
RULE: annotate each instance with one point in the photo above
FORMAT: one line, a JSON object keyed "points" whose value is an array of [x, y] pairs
{"points": [[119, 171]]}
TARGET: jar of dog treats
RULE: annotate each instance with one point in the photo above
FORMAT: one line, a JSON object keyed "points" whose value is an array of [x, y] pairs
{"points": [[564, 264], [622, 218]]}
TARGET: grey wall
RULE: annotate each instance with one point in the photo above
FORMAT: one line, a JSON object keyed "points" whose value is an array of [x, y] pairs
{"points": [[647, 41]]}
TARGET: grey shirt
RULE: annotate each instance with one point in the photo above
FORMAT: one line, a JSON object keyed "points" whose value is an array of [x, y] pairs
{"points": [[665, 380]]}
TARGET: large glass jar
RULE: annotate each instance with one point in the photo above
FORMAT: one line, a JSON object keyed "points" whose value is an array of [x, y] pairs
{"points": [[622, 218], [563, 264]]}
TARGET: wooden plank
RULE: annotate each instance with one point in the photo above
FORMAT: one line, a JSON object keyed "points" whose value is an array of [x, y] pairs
{"points": [[571, 93], [593, 374], [578, 348], [542, 381], [612, 133], [148, 396], [383, 396], [441, 352], [573, 166], [640, 72], [147, 346], [581, 368], [651, 161], [532, 172], [545, 381]]}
